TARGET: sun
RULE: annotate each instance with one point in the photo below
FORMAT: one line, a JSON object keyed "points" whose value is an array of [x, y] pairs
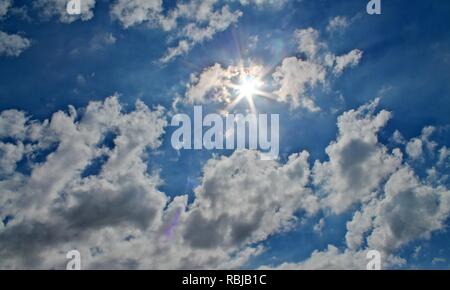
{"points": [[248, 86]]}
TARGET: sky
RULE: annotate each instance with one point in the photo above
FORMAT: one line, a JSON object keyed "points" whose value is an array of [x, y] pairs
{"points": [[87, 162]]}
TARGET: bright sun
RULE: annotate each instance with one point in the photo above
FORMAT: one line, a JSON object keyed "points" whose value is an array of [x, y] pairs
{"points": [[248, 86]]}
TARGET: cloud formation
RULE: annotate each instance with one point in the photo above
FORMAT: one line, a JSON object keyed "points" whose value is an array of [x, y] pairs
{"points": [[82, 192], [293, 81], [79, 190], [57, 8], [13, 44], [4, 7], [338, 24], [188, 23], [296, 77], [358, 162]]}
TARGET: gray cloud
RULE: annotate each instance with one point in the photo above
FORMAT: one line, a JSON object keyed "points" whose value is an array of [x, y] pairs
{"points": [[13, 44], [117, 218]]}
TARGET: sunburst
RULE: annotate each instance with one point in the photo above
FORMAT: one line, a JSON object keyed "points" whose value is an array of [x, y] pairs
{"points": [[249, 85]]}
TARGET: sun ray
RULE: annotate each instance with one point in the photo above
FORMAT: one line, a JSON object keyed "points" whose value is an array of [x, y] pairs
{"points": [[248, 85], [251, 104], [231, 105]]}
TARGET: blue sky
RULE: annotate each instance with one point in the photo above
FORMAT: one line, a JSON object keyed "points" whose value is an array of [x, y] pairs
{"points": [[404, 62]]}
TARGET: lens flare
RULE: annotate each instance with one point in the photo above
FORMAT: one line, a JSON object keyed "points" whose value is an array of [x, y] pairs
{"points": [[249, 86]]}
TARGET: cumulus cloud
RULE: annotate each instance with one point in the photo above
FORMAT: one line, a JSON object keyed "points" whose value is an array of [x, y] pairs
{"points": [[12, 124], [248, 199], [81, 191], [215, 83], [444, 156], [350, 59], [338, 23], [329, 259], [183, 47], [133, 12], [308, 41], [13, 44], [334, 259], [5, 5], [54, 202], [102, 40], [188, 23], [10, 154], [202, 29], [296, 77], [58, 8], [210, 85], [293, 80], [396, 205], [104, 201], [408, 209], [415, 147], [358, 162]]}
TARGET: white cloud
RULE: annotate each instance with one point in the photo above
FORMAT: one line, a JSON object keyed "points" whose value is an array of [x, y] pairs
{"points": [[183, 47], [12, 124], [188, 23], [117, 217], [213, 83], [56, 198], [408, 209], [396, 206], [101, 40], [199, 21], [398, 138], [294, 77], [203, 28], [104, 200], [4, 7], [13, 44], [334, 259], [243, 199], [293, 80], [357, 161], [210, 85], [338, 23], [350, 59], [308, 41], [444, 156], [10, 154], [58, 8], [263, 3], [133, 12], [415, 146]]}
